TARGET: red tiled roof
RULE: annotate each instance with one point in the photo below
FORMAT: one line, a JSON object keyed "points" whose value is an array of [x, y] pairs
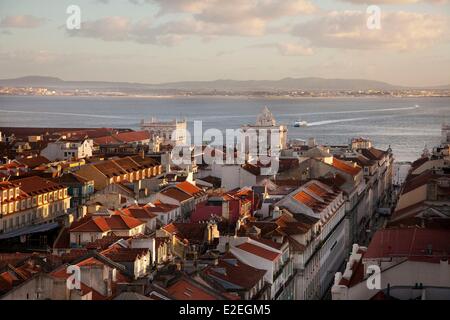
{"points": [[120, 254], [315, 188], [192, 232], [346, 167], [190, 189], [305, 198], [133, 136], [176, 194], [103, 243], [35, 185], [258, 251], [407, 212], [91, 224], [121, 222], [232, 270], [33, 162], [105, 223], [336, 181], [269, 243], [251, 168], [416, 164], [161, 207], [412, 243], [109, 168], [138, 212], [184, 290], [106, 140], [419, 180], [128, 164], [373, 153]]}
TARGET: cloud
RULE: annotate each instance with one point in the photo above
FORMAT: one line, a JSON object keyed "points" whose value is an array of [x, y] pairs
{"points": [[113, 28], [22, 21], [348, 29], [238, 17], [286, 49], [207, 19], [117, 28], [293, 49]]}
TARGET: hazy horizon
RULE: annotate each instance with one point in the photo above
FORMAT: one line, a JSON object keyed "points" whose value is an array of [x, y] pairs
{"points": [[161, 41]]}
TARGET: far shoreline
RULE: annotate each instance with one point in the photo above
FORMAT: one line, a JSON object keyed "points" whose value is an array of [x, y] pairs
{"points": [[204, 96]]}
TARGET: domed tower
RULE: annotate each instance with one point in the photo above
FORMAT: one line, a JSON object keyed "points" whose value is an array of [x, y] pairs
{"points": [[425, 152], [266, 118]]}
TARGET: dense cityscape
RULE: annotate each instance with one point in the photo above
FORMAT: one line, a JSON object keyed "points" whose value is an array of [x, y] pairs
{"points": [[113, 203], [203, 159]]}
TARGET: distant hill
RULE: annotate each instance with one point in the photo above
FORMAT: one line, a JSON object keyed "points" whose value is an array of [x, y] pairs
{"points": [[307, 84], [283, 84]]}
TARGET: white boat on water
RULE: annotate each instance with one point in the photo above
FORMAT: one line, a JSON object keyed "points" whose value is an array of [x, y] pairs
{"points": [[300, 123]]}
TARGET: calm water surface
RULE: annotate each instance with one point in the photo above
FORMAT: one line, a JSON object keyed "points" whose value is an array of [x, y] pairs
{"points": [[407, 124]]}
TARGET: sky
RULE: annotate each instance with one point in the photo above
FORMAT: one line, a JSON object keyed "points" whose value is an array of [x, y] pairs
{"points": [[155, 41]]}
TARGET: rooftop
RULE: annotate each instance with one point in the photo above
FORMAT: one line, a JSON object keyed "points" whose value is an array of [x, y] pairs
{"points": [[259, 251], [412, 243], [232, 270]]}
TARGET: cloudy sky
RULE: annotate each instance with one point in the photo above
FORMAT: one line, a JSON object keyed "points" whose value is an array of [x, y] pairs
{"points": [[175, 40]]}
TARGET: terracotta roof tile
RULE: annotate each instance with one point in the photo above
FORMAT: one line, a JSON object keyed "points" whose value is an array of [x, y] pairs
{"points": [[190, 189], [346, 167], [184, 290], [259, 251], [413, 243], [234, 271], [176, 194]]}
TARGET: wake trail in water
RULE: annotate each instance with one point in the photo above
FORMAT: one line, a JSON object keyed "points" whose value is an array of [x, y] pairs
{"points": [[64, 114], [357, 111], [320, 123]]}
